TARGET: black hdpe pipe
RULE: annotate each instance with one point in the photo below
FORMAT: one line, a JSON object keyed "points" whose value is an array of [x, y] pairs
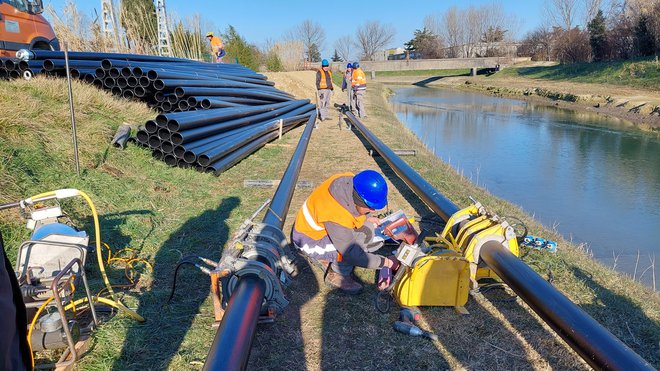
{"points": [[183, 91], [57, 64], [192, 150], [170, 84], [215, 103], [213, 155], [595, 344], [233, 341], [204, 131], [47, 54], [190, 120]]}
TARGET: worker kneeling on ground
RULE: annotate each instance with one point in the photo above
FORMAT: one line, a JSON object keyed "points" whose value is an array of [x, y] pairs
{"points": [[334, 227]]}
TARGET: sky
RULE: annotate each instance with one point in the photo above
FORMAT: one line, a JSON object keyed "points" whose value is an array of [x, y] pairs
{"points": [[259, 21]]}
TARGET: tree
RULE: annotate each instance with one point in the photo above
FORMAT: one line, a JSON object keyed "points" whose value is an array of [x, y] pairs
{"points": [[343, 47], [138, 17], [425, 43], [313, 53], [644, 40], [537, 45], [561, 13], [598, 37], [571, 46], [336, 57], [311, 34], [373, 37], [238, 49], [491, 36]]}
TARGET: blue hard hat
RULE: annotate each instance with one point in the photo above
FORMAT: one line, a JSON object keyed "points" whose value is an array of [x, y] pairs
{"points": [[324, 63], [349, 66], [371, 188], [356, 65]]}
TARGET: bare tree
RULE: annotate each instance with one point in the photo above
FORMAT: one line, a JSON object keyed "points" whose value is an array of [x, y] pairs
{"points": [[452, 31], [591, 8], [310, 33], [561, 12], [372, 37], [343, 46]]}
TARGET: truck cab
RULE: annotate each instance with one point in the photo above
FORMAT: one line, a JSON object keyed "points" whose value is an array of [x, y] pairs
{"points": [[23, 27]]}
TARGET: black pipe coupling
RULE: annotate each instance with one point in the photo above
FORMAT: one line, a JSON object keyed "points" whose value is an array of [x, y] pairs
{"points": [[259, 250]]}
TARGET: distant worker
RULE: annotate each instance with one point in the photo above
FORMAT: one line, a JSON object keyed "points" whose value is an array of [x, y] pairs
{"points": [[359, 84], [347, 83], [324, 88], [217, 47], [334, 228]]}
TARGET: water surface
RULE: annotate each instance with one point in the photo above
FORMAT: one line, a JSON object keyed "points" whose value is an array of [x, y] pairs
{"points": [[591, 177]]}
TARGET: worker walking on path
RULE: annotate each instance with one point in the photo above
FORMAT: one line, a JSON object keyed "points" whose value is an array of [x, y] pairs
{"points": [[346, 85], [324, 89], [334, 228], [217, 47], [359, 84]]}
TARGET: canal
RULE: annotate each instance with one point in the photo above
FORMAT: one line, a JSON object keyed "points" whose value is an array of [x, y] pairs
{"points": [[592, 178]]}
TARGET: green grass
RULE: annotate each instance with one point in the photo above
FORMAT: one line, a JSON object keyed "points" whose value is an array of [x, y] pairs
{"points": [[641, 73], [159, 211], [441, 73]]}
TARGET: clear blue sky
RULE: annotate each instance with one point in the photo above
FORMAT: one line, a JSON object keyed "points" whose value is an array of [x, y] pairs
{"points": [[258, 21]]}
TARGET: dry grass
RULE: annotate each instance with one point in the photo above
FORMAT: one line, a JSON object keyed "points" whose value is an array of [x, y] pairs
{"points": [[165, 212]]}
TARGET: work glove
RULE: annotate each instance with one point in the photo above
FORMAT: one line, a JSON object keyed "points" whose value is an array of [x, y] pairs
{"points": [[386, 274]]}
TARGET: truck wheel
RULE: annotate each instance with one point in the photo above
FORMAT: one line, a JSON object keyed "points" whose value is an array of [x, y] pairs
{"points": [[41, 46]]}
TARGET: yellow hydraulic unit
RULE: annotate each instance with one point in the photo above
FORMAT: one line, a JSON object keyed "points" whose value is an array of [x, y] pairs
{"points": [[441, 270]]}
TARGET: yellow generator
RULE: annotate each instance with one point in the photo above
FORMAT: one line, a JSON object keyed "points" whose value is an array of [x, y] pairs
{"points": [[441, 270]]}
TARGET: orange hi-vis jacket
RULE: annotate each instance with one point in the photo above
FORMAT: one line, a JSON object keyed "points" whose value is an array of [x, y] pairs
{"points": [[359, 80], [321, 207], [216, 44], [323, 83]]}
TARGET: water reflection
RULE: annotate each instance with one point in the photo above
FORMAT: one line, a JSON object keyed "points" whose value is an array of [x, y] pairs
{"points": [[578, 169]]}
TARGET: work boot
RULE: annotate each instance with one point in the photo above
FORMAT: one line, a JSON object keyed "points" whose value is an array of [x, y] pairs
{"points": [[344, 283]]}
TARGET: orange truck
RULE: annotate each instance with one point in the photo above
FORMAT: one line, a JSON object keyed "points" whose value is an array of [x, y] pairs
{"points": [[23, 27]]}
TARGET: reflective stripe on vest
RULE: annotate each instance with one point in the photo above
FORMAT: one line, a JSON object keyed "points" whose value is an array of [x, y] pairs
{"points": [[309, 219], [323, 82], [321, 207]]}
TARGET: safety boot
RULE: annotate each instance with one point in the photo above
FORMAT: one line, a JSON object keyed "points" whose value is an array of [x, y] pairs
{"points": [[344, 283]]}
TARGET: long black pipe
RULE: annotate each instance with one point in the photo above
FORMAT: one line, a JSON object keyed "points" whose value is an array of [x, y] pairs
{"points": [[233, 341], [588, 338], [440, 204]]}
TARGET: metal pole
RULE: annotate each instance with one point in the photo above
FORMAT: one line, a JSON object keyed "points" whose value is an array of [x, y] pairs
{"points": [[73, 116], [588, 338], [232, 344]]}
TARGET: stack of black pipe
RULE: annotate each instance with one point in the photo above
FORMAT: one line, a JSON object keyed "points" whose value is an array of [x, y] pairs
{"points": [[212, 115]]}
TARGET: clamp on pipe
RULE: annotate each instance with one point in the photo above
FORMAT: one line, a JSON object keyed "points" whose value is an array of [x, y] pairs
{"points": [[468, 229], [260, 250]]}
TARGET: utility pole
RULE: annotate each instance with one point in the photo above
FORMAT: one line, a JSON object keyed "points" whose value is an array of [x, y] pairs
{"points": [[163, 30], [109, 23]]}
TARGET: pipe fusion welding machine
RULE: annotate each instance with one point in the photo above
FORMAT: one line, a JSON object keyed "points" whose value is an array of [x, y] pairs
{"points": [[441, 270]]}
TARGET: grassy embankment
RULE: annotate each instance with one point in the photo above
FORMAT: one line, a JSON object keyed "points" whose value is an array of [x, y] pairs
{"points": [[158, 211], [642, 73], [165, 212]]}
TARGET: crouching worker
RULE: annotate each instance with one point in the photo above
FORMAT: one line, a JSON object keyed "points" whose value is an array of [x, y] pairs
{"points": [[334, 227]]}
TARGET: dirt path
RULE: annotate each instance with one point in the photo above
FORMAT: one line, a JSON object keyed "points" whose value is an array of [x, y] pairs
{"points": [[323, 329], [641, 107]]}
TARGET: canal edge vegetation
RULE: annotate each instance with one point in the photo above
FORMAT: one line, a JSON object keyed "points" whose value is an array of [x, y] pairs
{"points": [[604, 293]]}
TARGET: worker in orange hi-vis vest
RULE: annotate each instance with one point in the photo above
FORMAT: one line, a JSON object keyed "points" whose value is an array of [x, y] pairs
{"points": [[324, 87], [217, 48], [359, 84], [335, 228]]}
